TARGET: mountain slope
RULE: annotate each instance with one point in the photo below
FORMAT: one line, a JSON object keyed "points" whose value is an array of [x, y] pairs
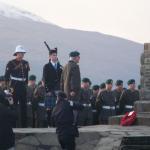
{"points": [[102, 56]]}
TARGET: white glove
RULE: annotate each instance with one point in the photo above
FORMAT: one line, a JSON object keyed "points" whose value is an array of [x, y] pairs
{"points": [[71, 103]]}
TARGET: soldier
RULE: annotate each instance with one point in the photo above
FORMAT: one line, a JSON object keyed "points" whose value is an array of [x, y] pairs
{"points": [[51, 77], [70, 80], [30, 92], [106, 103], [129, 97], [95, 91], [16, 76], [38, 105], [31, 87], [63, 118], [118, 92], [85, 116]]}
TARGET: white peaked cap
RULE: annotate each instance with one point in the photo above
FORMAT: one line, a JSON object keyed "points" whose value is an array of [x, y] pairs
{"points": [[19, 49]]}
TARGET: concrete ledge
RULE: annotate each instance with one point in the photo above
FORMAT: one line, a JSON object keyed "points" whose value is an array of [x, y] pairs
{"points": [[93, 137]]}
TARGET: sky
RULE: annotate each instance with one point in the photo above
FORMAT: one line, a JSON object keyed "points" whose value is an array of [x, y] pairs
{"points": [[128, 19]]}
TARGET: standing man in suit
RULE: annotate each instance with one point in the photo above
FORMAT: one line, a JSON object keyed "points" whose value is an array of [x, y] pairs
{"points": [[51, 78]]}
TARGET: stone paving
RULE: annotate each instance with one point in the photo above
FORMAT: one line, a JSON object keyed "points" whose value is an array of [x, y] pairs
{"points": [[91, 138]]}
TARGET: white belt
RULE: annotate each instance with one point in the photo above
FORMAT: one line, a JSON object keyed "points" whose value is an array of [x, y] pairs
{"points": [[87, 105], [109, 107], [17, 79], [41, 104], [94, 110], [128, 106]]}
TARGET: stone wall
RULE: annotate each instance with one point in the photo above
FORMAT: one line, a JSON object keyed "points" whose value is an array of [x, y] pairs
{"points": [[91, 138]]}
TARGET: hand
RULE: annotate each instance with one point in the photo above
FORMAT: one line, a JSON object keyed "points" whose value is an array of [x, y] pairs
{"points": [[72, 93], [48, 94]]}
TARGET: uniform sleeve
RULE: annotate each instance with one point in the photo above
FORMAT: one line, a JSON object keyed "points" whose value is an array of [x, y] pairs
{"points": [[8, 72], [62, 81], [44, 78], [98, 102], [122, 103], [75, 79], [27, 74]]}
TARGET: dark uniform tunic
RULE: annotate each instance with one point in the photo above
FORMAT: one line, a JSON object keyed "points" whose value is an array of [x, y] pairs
{"points": [[85, 116], [38, 106], [106, 106], [94, 110], [16, 75], [51, 78], [64, 118], [118, 95], [128, 99]]}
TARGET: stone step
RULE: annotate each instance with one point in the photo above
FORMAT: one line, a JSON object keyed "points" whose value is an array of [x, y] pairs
{"points": [[142, 106], [142, 119], [135, 143], [135, 147]]}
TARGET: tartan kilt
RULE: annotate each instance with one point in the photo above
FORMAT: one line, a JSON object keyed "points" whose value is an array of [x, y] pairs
{"points": [[50, 102]]}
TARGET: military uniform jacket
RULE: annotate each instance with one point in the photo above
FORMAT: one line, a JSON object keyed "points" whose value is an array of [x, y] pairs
{"points": [[128, 99], [71, 80], [105, 104], [51, 77], [85, 96], [17, 69], [118, 95]]}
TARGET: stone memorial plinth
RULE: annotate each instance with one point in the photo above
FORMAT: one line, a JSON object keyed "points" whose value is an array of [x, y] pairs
{"points": [[145, 73]]}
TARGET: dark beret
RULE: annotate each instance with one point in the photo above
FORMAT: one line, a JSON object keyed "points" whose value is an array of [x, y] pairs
{"points": [[109, 81], [95, 87], [131, 81], [119, 82], [102, 86], [74, 54], [32, 77], [85, 80]]}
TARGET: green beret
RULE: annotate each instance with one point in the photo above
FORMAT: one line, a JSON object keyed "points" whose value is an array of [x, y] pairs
{"points": [[85, 80], [131, 81], [95, 87], [74, 54], [32, 77], [102, 86], [119, 82], [109, 81]]}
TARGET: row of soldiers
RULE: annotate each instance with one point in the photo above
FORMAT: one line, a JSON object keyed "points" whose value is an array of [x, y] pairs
{"points": [[99, 103]]}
